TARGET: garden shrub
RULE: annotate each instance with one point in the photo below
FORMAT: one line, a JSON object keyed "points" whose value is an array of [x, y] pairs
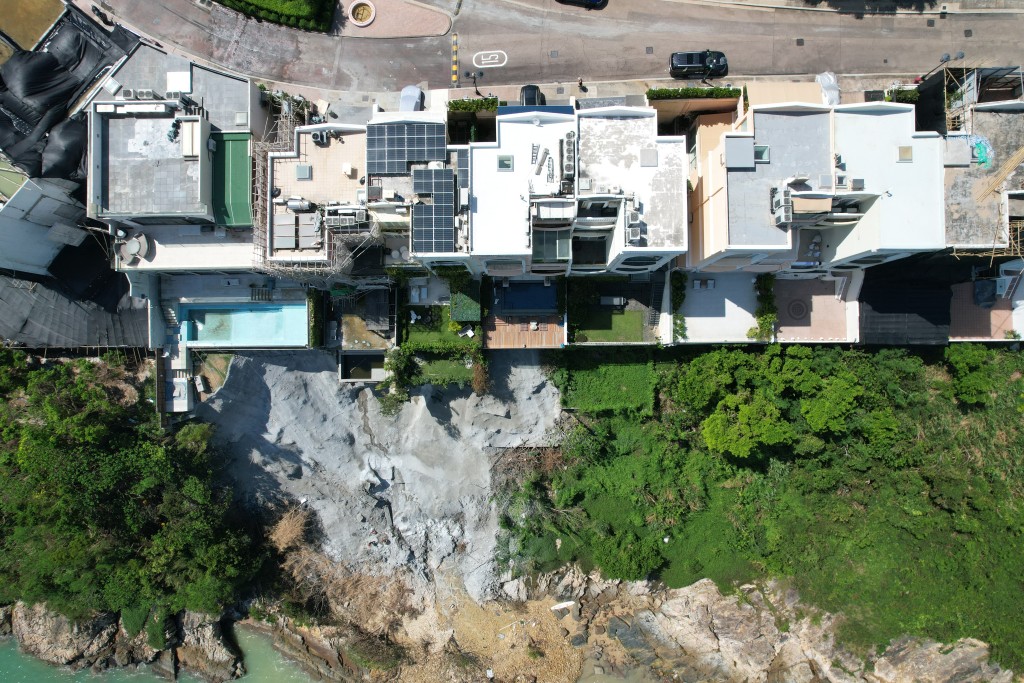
{"points": [[693, 93]]}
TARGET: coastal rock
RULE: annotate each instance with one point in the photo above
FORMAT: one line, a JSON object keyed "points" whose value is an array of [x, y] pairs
{"points": [[5, 619], [318, 650], [55, 639], [129, 650], [910, 659], [204, 651]]}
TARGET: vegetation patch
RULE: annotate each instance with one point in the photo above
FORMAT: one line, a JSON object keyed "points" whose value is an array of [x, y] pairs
{"points": [[904, 95], [474, 105], [885, 486], [600, 382], [693, 93], [610, 326], [100, 510], [309, 15]]}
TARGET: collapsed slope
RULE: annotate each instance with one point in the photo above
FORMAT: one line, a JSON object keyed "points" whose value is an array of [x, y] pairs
{"points": [[410, 491]]}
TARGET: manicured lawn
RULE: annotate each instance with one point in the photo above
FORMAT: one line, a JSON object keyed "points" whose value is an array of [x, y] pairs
{"points": [[611, 326], [440, 371], [436, 330]]}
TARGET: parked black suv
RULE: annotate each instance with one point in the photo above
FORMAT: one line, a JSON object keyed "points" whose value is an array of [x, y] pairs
{"points": [[702, 64], [531, 96], [589, 4]]}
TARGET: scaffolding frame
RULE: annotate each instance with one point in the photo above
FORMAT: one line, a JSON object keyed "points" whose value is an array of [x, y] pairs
{"points": [[340, 245]]}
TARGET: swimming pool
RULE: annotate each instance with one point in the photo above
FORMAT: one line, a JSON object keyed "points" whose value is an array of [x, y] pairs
{"points": [[245, 326], [528, 297]]}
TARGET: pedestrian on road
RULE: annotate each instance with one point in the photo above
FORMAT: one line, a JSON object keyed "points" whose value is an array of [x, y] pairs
{"points": [[580, 82]]}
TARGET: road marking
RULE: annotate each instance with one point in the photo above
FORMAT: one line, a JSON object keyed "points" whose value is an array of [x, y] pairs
{"points": [[488, 59], [455, 59]]}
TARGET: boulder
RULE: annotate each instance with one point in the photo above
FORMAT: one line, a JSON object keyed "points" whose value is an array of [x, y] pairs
{"points": [[204, 651], [5, 619], [911, 659], [55, 639]]}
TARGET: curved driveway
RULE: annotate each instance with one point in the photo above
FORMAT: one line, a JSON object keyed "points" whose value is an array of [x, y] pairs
{"points": [[544, 41]]}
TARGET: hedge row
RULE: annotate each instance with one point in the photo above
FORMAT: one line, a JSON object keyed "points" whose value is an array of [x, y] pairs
{"points": [[277, 12], [693, 93], [901, 95], [481, 104]]}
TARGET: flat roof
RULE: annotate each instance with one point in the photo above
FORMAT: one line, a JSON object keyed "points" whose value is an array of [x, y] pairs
{"points": [[799, 141], [144, 172], [500, 208], [222, 96], [620, 150], [232, 179], [910, 206], [194, 247], [972, 218]]}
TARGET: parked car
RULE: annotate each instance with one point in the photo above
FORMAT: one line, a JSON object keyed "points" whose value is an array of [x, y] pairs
{"points": [[530, 95], [411, 99], [589, 4], [700, 63]]}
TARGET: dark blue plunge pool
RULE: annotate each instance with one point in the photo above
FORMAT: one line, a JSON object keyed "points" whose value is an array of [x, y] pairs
{"points": [[527, 297]]}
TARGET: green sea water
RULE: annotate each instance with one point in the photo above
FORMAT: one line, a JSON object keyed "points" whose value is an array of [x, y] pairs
{"points": [[263, 663]]}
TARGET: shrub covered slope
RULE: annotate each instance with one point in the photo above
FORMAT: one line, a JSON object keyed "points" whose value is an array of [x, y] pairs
{"points": [[883, 485], [98, 509]]}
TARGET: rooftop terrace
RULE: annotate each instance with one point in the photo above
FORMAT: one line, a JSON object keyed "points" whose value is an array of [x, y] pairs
{"points": [[144, 172]]}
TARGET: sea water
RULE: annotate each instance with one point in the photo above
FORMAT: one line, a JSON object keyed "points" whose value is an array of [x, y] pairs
{"points": [[262, 662]]}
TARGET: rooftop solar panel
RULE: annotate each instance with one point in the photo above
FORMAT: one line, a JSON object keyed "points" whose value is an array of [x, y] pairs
{"points": [[390, 147]]}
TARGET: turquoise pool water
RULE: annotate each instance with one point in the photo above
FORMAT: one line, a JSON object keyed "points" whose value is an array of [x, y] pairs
{"points": [[262, 662], [245, 326]]}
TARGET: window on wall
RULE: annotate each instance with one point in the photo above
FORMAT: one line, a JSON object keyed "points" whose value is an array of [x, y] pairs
{"points": [[761, 154], [505, 162], [905, 153]]}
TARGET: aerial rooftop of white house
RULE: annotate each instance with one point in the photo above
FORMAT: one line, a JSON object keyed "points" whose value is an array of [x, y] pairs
{"points": [[798, 140], [504, 175], [620, 151], [877, 142]]}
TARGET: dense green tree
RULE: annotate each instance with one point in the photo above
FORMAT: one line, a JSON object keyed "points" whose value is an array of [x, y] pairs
{"points": [[99, 510]]}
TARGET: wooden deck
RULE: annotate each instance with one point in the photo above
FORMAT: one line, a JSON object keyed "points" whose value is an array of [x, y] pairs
{"points": [[517, 332]]}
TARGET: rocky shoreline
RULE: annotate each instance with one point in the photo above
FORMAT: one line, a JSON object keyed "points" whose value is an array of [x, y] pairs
{"points": [[590, 626]]}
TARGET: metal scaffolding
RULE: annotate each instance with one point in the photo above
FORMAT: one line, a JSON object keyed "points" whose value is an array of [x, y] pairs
{"points": [[340, 245]]}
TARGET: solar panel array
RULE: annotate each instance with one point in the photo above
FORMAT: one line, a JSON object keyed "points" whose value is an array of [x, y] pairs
{"points": [[391, 146], [433, 225], [463, 167]]}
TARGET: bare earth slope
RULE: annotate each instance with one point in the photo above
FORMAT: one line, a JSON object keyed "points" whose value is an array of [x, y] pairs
{"points": [[390, 493]]}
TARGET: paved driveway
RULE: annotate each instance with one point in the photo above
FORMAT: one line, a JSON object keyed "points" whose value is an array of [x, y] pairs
{"points": [[543, 41]]}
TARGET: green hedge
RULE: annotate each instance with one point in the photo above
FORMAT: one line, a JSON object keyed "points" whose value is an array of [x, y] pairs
{"points": [[693, 93], [308, 15], [481, 104], [901, 95]]}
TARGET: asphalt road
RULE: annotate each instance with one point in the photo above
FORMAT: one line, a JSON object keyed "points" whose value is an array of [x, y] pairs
{"points": [[517, 41]]}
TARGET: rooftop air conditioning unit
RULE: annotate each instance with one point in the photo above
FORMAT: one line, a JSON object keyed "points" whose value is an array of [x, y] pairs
{"points": [[360, 216], [145, 94], [568, 169], [800, 177], [840, 181], [781, 199], [174, 95], [825, 181], [126, 94], [634, 217], [633, 235], [784, 216], [571, 135]]}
